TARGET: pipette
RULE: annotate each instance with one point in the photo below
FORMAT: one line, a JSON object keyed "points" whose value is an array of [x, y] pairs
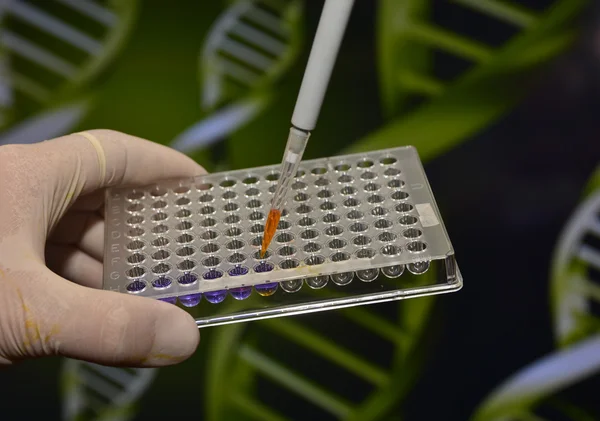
{"points": [[321, 60]]}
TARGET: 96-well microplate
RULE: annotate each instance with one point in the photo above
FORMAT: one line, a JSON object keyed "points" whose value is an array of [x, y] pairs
{"points": [[356, 229]]}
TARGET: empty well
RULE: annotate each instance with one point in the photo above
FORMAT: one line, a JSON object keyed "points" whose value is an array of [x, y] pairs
{"points": [[356, 229]]}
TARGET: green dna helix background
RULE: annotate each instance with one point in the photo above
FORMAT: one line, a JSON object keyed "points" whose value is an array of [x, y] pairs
{"points": [[171, 73]]}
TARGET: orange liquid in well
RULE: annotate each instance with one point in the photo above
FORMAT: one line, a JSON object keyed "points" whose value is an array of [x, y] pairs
{"points": [[270, 228]]}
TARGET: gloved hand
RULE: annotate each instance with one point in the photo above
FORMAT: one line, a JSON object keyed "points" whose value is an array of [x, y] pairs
{"points": [[51, 205]]}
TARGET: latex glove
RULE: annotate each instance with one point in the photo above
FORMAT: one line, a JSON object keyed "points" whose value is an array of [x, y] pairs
{"points": [[51, 203]]}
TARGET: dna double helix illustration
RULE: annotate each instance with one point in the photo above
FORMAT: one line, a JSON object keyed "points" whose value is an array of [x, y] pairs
{"points": [[52, 52]]}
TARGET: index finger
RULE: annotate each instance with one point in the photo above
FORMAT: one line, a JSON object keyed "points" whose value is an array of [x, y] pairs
{"points": [[104, 158]]}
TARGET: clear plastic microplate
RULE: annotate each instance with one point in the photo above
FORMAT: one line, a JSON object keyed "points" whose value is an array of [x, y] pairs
{"points": [[357, 229]]}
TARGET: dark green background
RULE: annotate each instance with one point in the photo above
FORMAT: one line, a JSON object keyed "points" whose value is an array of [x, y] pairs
{"points": [[505, 193]]}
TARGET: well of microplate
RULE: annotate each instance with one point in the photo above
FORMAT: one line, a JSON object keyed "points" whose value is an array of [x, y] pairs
{"points": [[357, 229]]}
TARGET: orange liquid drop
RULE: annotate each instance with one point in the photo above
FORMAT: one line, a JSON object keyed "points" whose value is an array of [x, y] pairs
{"points": [[270, 228]]}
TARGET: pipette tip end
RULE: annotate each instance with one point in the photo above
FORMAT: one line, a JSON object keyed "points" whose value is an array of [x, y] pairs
{"points": [[270, 228]]}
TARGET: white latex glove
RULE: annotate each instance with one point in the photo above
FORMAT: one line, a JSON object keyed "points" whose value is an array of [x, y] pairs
{"points": [[51, 203]]}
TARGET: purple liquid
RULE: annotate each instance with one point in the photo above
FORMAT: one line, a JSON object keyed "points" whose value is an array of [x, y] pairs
{"points": [[212, 274], [188, 278], [190, 300], [170, 300], [162, 282], [241, 293], [215, 297], [263, 267], [136, 286], [266, 290], [238, 270]]}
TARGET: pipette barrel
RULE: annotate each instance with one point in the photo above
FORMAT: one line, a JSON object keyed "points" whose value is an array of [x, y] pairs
{"points": [[321, 61]]}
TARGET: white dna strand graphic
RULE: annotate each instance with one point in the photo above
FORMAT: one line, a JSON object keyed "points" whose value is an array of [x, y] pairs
{"points": [[575, 286], [248, 49], [521, 397], [576, 273], [49, 52], [94, 392]]}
